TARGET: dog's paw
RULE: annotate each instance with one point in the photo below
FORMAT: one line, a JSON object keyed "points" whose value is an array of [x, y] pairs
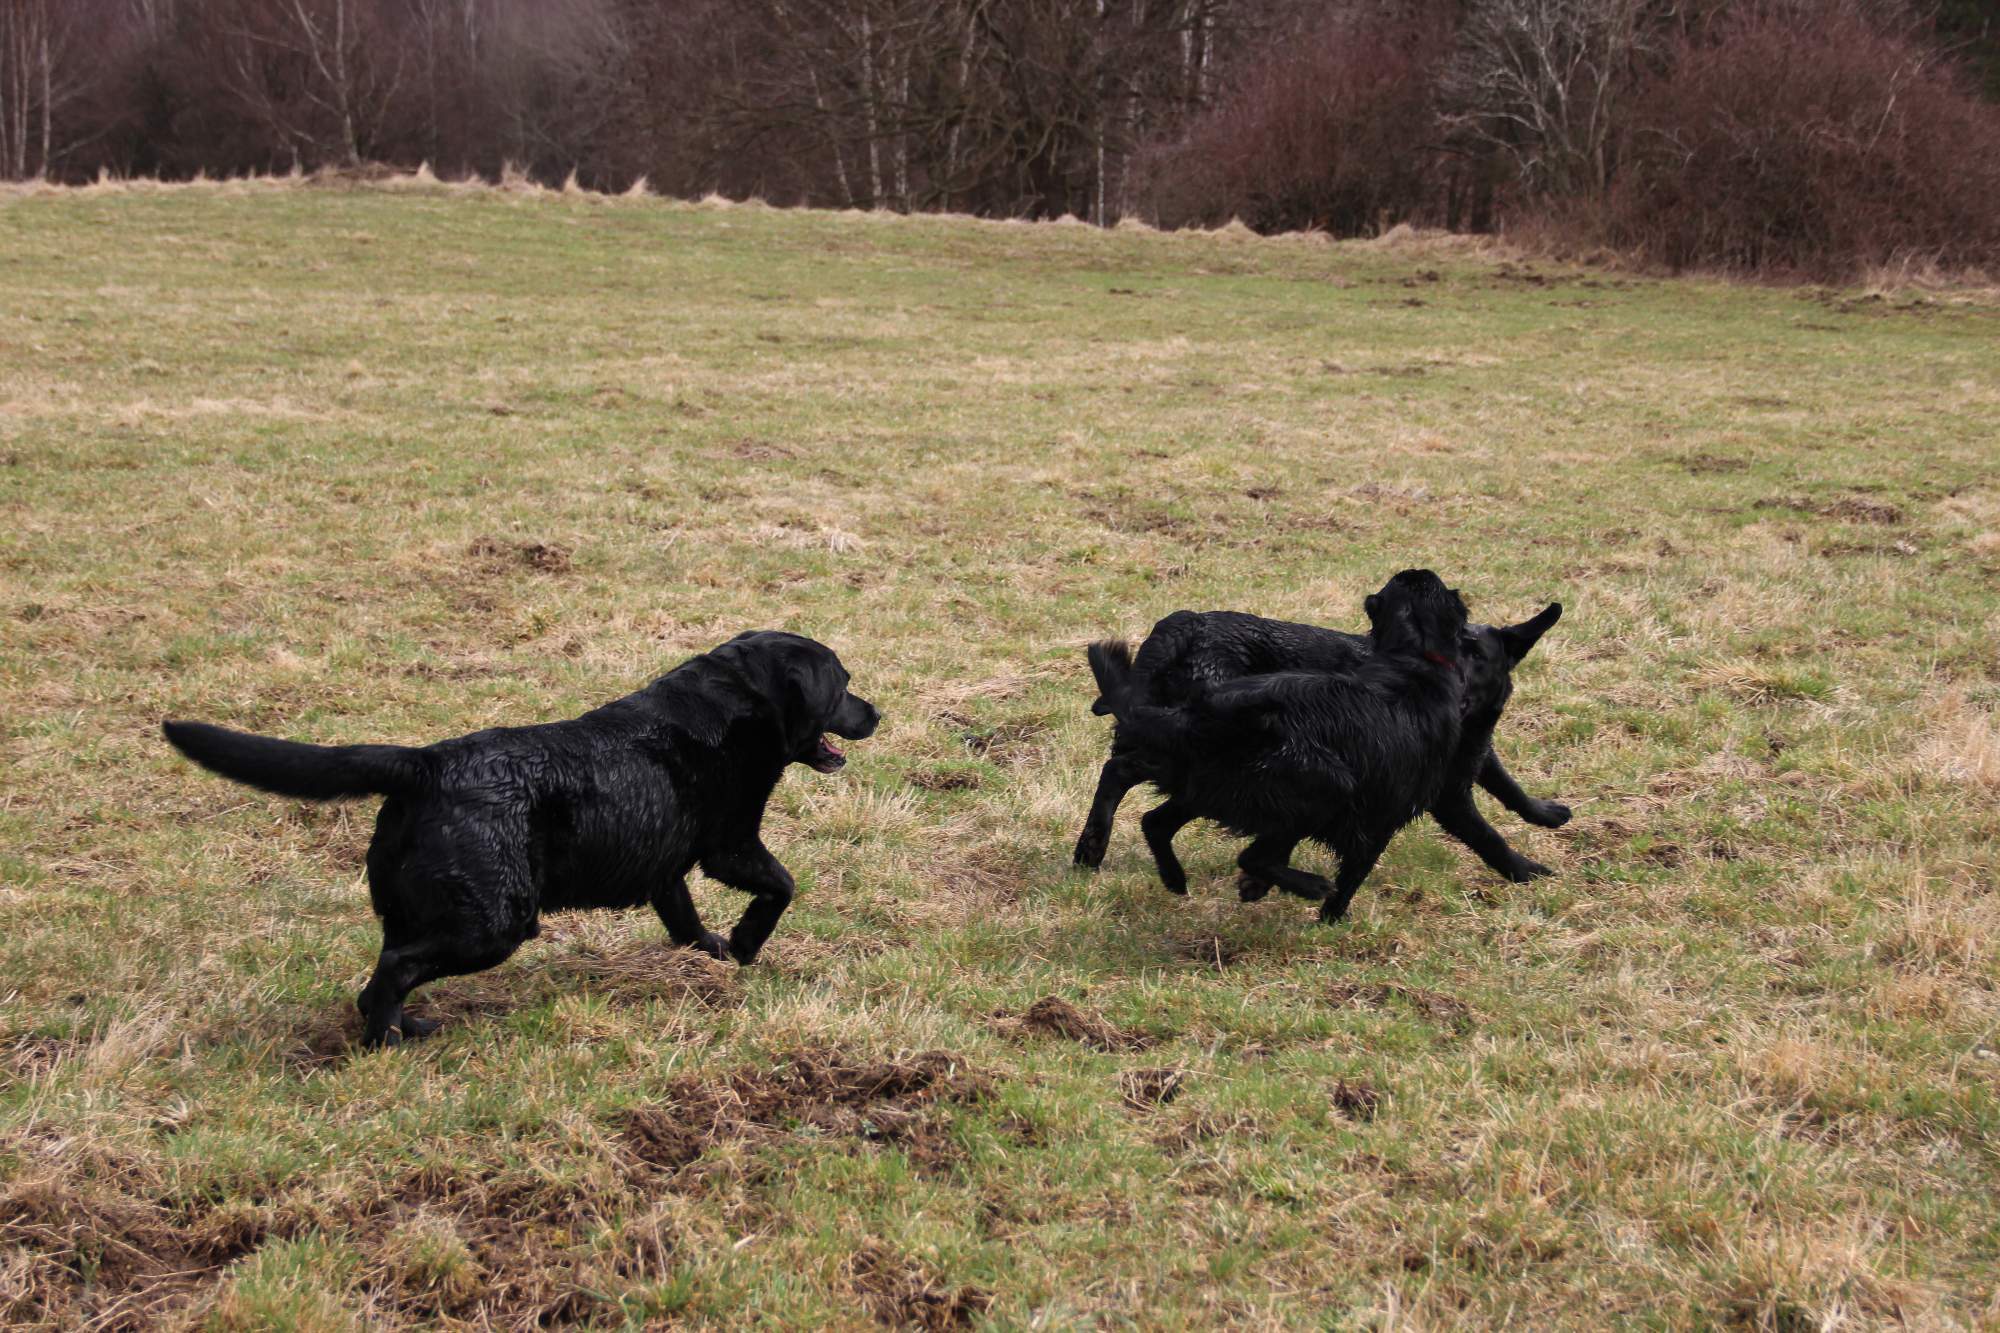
{"points": [[1523, 871], [743, 955], [1331, 914], [1250, 889], [1090, 850], [713, 945], [1547, 814]]}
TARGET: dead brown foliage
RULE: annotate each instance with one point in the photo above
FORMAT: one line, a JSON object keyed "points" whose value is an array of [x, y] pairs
{"points": [[1851, 508], [547, 557], [1053, 1016], [1444, 1010], [901, 1292], [1357, 1101], [1147, 1088], [832, 1092]]}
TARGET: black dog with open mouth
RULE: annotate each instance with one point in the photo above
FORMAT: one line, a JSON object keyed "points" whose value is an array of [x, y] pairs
{"points": [[482, 834]]}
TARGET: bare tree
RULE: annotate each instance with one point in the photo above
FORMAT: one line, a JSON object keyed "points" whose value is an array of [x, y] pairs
{"points": [[323, 75], [39, 75], [1541, 81]]}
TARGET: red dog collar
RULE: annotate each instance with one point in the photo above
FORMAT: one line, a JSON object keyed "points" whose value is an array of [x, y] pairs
{"points": [[1440, 659]]}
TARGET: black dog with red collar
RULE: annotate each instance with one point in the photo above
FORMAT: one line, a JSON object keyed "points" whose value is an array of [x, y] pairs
{"points": [[1344, 758]]}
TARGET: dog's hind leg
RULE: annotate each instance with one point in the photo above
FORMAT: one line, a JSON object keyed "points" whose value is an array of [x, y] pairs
{"points": [[1266, 863], [1493, 776], [683, 923], [756, 872], [1112, 784], [1160, 824], [404, 967], [1459, 817], [1356, 860]]}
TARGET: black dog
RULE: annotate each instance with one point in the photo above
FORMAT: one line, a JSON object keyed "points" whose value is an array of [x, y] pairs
{"points": [[482, 834], [1188, 649], [1343, 758]]}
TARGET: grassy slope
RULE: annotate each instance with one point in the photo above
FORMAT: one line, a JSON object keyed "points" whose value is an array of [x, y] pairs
{"points": [[393, 466]]}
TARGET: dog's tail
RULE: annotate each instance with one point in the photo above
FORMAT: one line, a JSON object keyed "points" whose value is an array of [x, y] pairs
{"points": [[290, 768], [1111, 663]]}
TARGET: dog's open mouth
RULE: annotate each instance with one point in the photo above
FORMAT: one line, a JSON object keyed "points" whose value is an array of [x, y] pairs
{"points": [[827, 757]]}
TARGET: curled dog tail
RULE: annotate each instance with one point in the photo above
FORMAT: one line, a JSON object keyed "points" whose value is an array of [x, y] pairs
{"points": [[1111, 663], [290, 768]]}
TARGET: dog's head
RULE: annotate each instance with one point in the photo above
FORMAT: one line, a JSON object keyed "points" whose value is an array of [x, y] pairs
{"points": [[807, 685], [1488, 654], [1416, 614]]}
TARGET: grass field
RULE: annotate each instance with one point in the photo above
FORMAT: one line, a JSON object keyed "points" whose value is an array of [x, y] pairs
{"points": [[388, 465]]}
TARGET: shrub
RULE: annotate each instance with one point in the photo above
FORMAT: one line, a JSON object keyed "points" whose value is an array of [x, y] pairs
{"points": [[1807, 141], [1337, 134]]}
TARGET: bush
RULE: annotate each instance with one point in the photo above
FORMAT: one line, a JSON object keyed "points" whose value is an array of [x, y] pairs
{"points": [[1806, 143], [1338, 134]]}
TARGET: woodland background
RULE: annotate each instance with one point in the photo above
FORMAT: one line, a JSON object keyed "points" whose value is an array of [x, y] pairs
{"points": [[1816, 137]]}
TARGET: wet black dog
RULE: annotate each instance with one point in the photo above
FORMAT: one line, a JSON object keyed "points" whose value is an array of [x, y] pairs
{"points": [[1190, 648], [1345, 758], [482, 834]]}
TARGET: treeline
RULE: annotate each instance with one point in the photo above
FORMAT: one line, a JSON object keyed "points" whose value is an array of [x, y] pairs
{"points": [[1011, 107], [1800, 137], [1768, 135]]}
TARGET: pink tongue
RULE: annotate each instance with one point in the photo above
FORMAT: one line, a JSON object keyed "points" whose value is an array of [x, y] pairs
{"points": [[831, 749]]}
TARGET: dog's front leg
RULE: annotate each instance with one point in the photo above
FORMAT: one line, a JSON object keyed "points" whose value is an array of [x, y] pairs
{"points": [[1112, 784], [1493, 776], [1160, 824], [683, 923], [1457, 815], [755, 871]]}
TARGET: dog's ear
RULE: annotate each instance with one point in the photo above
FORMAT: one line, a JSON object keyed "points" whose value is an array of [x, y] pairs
{"points": [[1384, 613], [812, 691], [1520, 638]]}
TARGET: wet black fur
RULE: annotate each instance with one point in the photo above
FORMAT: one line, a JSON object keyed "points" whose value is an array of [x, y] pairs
{"points": [[1344, 754], [1189, 649], [482, 834]]}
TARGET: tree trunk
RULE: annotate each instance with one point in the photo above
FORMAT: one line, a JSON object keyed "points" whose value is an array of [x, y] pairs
{"points": [[833, 138], [343, 91], [870, 119], [48, 96], [903, 135]]}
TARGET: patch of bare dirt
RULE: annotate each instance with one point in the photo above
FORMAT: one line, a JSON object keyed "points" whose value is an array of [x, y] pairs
{"points": [[944, 779], [1009, 742], [548, 557], [35, 1054], [1707, 464], [1053, 1016], [92, 1242], [1356, 1101], [902, 1292], [1444, 1010], [1197, 1130], [1209, 951], [902, 1101], [1849, 508], [1146, 1088]]}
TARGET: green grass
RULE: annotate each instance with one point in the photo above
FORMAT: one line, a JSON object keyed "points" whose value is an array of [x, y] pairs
{"points": [[395, 465]]}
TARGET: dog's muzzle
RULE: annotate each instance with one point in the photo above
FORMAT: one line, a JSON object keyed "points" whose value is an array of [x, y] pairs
{"points": [[826, 757]]}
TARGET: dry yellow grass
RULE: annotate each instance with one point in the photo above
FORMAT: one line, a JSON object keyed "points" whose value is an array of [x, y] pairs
{"points": [[354, 460]]}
